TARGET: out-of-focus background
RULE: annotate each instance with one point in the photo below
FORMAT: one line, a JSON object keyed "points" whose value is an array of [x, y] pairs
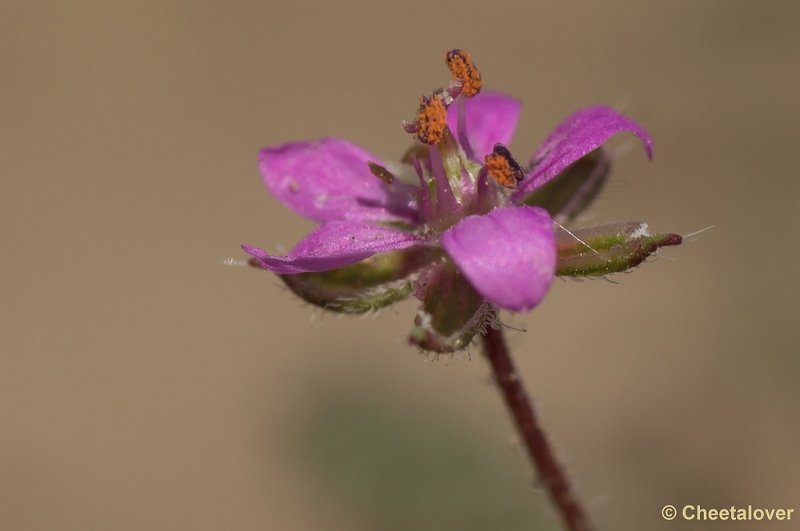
{"points": [[145, 385]]}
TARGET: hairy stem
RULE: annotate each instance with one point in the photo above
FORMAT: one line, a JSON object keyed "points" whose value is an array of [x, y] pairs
{"points": [[549, 469]]}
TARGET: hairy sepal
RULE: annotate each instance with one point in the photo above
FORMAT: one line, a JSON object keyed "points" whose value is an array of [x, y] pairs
{"points": [[367, 286], [606, 249], [452, 312]]}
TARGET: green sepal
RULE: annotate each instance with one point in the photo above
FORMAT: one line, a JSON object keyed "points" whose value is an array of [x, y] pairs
{"points": [[367, 286], [606, 249], [452, 311], [575, 188]]}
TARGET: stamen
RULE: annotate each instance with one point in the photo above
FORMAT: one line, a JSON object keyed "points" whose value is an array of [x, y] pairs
{"points": [[464, 71], [380, 172], [461, 128], [502, 167], [431, 120], [416, 151], [445, 95]]}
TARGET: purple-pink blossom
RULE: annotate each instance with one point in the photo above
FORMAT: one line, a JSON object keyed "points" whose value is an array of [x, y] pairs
{"points": [[443, 197], [328, 180]]}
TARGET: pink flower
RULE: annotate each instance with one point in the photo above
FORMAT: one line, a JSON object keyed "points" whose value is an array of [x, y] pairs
{"points": [[468, 218]]}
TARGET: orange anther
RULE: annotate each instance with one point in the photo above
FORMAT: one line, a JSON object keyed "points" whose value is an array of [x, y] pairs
{"points": [[464, 70], [431, 120], [502, 167]]}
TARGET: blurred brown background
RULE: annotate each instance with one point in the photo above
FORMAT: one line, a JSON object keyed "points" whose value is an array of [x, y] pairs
{"points": [[145, 385]]}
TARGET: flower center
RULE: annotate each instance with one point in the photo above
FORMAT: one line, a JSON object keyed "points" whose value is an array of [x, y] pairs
{"points": [[454, 183]]}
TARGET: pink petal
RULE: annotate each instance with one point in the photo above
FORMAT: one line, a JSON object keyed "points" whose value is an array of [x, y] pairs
{"points": [[328, 179], [491, 117], [508, 255], [582, 132], [334, 244]]}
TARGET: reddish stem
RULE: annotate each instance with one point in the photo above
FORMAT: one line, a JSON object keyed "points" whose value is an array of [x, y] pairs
{"points": [[539, 449]]}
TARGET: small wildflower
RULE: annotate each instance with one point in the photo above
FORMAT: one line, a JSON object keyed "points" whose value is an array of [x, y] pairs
{"points": [[475, 232]]}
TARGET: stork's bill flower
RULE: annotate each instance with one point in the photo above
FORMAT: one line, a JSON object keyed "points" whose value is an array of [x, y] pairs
{"points": [[471, 231]]}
